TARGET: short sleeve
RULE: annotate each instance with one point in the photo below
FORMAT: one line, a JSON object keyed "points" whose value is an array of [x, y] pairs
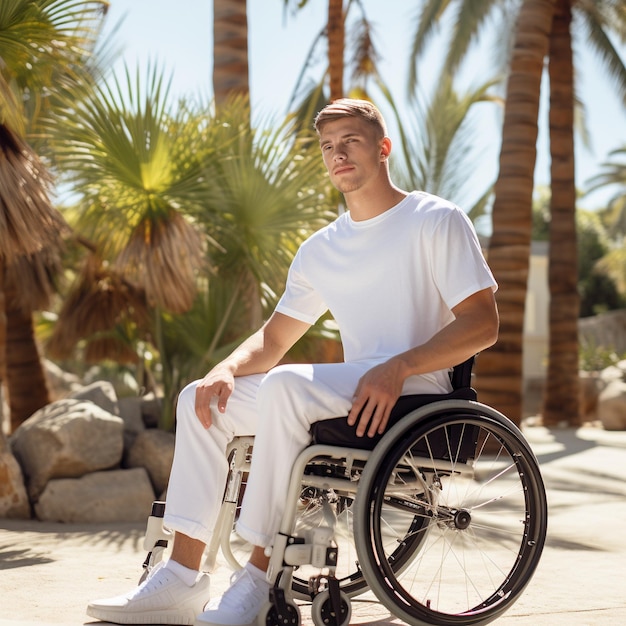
{"points": [[458, 264], [300, 299]]}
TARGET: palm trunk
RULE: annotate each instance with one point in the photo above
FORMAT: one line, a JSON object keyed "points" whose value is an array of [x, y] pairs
{"points": [[230, 49], [336, 44], [561, 394], [499, 369], [3, 343], [26, 381]]}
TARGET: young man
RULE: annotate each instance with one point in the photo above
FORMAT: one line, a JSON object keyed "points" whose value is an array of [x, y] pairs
{"points": [[404, 277]]}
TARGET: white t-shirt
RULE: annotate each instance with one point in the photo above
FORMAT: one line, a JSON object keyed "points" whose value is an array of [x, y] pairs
{"points": [[389, 282]]}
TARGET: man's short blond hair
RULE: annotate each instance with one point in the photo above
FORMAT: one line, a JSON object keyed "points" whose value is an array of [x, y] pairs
{"points": [[350, 107]]}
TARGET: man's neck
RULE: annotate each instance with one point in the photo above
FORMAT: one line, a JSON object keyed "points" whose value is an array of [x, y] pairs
{"points": [[364, 205]]}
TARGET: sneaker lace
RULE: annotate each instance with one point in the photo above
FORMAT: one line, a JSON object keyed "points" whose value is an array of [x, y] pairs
{"points": [[245, 591], [151, 582]]}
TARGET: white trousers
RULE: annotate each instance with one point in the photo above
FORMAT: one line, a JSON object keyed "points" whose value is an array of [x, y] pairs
{"points": [[278, 408]]}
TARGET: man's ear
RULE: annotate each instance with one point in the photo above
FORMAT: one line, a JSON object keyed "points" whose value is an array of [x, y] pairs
{"points": [[385, 148]]}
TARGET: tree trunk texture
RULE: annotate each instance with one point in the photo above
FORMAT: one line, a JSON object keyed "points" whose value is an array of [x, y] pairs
{"points": [[3, 344], [336, 45], [499, 370], [26, 381], [561, 397], [230, 49]]}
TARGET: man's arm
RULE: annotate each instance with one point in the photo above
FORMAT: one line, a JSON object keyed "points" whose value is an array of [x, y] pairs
{"points": [[256, 355], [474, 328]]}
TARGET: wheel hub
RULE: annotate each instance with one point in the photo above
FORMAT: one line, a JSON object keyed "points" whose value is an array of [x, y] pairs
{"points": [[462, 519]]}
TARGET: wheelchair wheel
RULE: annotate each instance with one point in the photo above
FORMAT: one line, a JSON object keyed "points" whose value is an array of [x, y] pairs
{"points": [[322, 612], [269, 615], [486, 509]]}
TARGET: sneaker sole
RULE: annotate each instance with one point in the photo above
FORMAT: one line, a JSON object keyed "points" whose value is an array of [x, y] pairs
{"points": [[198, 623], [158, 617]]}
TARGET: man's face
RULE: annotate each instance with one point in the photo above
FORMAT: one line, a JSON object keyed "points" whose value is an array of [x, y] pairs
{"points": [[352, 152]]}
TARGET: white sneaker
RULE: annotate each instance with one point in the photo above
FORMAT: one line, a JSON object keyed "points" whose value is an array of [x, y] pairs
{"points": [[240, 604], [163, 598]]}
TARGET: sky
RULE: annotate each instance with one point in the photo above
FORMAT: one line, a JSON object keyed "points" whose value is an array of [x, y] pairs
{"points": [[177, 34]]}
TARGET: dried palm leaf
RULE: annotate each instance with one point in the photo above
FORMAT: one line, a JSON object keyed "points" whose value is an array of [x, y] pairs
{"points": [[101, 301], [100, 349], [31, 280], [28, 221], [163, 256]]}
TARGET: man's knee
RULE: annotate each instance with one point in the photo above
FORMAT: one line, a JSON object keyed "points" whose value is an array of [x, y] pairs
{"points": [[186, 403], [283, 381]]}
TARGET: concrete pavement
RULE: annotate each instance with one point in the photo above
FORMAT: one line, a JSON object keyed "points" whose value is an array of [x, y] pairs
{"points": [[49, 572]]}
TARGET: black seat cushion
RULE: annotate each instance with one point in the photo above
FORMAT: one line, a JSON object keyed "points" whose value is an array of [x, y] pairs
{"points": [[337, 431]]}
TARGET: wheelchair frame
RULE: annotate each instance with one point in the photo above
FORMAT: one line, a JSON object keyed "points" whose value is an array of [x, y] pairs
{"points": [[407, 503]]}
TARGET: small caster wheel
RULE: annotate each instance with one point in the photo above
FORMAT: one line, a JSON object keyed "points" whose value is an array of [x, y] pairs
{"points": [[268, 615], [322, 612]]}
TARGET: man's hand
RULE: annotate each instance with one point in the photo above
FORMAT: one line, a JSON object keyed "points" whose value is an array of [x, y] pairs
{"points": [[375, 396], [219, 382]]}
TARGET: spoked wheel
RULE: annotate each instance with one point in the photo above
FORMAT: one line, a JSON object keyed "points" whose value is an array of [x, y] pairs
{"points": [[487, 515]]}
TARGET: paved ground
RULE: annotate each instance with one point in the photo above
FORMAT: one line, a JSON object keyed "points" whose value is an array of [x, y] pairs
{"points": [[48, 572]]}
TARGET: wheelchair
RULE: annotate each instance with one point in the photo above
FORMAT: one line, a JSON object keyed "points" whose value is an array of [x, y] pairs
{"points": [[443, 517]]}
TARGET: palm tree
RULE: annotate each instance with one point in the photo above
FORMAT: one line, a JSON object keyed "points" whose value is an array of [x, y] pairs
{"points": [[613, 175], [440, 150], [542, 30], [230, 50], [43, 45], [269, 192], [560, 400], [358, 59], [336, 32], [191, 214], [138, 168]]}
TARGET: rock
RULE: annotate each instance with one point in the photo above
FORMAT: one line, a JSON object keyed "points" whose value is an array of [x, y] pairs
{"points": [[130, 412], [151, 409], [154, 450], [68, 438], [113, 496], [102, 394], [60, 383], [13, 498], [590, 386], [612, 406]]}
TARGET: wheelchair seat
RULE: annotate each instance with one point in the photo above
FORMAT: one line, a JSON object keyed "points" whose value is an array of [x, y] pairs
{"points": [[337, 431]]}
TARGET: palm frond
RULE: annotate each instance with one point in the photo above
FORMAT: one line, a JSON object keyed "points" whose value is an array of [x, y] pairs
{"points": [[428, 21], [99, 303], [28, 221], [267, 194], [33, 279], [441, 142], [595, 19], [139, 167], [45, 46]]}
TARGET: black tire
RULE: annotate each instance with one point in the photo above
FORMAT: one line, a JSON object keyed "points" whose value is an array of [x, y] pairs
{"points": [[487, 515]]}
